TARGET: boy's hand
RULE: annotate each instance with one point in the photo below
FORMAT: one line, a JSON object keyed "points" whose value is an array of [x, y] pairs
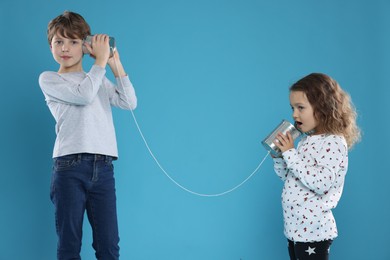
{"points": [[99, 49], [115, 64], [115, 58], [284, 142]]}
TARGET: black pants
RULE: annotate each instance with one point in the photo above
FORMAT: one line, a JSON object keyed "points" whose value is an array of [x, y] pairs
{"points": [[312, 251]]}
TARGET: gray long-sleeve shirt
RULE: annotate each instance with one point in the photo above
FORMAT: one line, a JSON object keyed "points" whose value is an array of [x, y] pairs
{"points": [[81, 106]]}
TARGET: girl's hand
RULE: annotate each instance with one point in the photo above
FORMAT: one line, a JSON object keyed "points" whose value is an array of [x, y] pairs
{"points": [[284, 142]]}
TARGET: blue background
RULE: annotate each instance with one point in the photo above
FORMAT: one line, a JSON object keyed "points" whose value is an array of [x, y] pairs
{"points": [[212, 79]]}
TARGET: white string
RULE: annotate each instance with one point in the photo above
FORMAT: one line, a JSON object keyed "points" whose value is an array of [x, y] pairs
{"points": [[166, 173]]}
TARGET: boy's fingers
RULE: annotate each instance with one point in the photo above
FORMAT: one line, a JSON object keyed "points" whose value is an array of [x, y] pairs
{"points": [[88, 46], [101, 37]]}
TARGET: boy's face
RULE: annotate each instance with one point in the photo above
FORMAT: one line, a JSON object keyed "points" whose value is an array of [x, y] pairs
{"points": [[67, 52], [303, 112]]}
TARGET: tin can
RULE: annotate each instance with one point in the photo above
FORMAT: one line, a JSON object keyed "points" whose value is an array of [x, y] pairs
{"points": [[88, 40], [283, 128]]}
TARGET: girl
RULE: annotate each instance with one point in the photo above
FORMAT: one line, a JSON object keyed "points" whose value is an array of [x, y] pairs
{"points": [[314, 172]]}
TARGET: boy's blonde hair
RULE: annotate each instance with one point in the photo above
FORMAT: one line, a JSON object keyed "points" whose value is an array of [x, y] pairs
{"points": [[332, 106], [69, 25]]}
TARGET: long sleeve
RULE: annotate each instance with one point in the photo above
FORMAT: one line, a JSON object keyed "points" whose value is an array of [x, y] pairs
{"points": [[123, 94], [59, 88], [317, 172], [280, 167]]}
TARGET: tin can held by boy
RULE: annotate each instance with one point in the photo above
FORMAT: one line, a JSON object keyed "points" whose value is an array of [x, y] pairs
{"points": [[88, 40]]}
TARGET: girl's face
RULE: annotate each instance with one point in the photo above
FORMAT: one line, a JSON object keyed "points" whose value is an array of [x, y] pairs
{"points": [[303, 112], [68, 53]]}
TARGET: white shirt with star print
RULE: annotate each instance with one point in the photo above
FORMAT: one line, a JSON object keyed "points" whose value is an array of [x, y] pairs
{"points": [[313, 176]]}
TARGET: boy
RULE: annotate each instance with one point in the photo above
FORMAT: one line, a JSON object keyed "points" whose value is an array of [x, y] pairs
{"points": [[85, 146]]}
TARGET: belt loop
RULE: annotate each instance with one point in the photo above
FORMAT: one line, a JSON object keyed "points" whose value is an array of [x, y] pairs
{"points": [[79, 157]]}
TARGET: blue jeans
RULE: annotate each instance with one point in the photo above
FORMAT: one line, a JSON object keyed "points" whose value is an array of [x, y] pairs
{"points": [[85, 182]]}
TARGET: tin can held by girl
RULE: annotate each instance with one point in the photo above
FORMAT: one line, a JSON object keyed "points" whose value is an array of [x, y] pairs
{"points": [[283, 128]]}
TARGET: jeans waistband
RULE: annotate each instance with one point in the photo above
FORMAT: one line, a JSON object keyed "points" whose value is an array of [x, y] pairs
{"points": [[89, 157]]}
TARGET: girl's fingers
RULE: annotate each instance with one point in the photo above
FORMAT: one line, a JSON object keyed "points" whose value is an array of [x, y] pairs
{"points": [[280, 137]]}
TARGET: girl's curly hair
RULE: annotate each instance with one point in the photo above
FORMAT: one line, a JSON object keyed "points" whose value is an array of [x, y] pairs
{"points": [[332, 106]]}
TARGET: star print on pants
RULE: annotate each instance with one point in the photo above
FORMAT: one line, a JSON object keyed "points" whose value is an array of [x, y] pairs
{"points": [[310, 250]]}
